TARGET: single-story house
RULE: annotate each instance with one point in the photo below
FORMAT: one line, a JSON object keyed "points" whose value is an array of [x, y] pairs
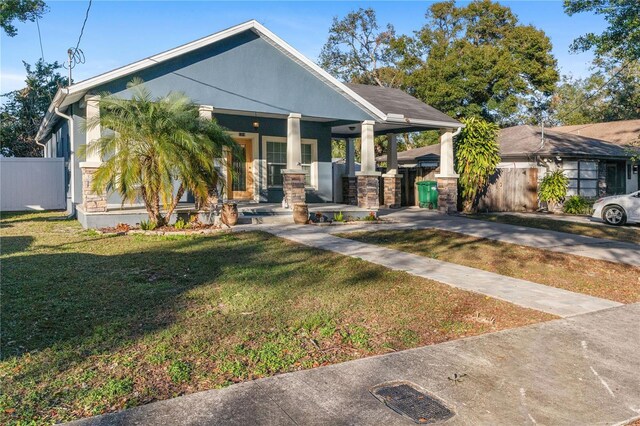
{"points": [[281, 108], [594, 165]]}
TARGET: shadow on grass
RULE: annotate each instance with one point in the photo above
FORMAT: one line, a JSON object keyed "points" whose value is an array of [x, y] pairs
{"points": [[97, 303], [15, 244]]}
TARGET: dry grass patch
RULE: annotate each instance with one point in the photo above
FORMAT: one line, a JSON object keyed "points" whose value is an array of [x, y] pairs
{"points": [[629, 234], [580, 274], [94, 323]]}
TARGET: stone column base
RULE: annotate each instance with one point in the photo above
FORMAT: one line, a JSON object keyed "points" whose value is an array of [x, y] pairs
{"points": [[368, 191], [293, 187], [447, 194], [392, 190], [91, 201], [349, 190]]}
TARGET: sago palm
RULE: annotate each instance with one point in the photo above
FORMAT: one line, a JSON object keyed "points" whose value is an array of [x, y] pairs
{"points": [[149, 145]]}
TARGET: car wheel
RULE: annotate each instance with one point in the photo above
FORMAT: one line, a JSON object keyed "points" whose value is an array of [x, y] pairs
{"points": [[614, 215]]}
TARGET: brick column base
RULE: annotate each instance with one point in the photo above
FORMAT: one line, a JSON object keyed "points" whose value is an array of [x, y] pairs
{"points": [[293, 187], [91, 201], [447, 194], [349, 190], [392, 191], [369, 191]]}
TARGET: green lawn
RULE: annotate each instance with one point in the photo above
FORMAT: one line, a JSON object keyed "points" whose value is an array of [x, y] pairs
{"points": [[620, 233], [574, 273], [93, 323]]}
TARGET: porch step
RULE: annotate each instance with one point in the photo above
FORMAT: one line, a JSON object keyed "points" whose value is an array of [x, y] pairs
{"points": [[256, 219]]}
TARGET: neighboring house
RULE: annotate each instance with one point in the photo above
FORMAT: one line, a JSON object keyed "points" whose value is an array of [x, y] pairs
{"points": [[280, 107], [595, 166]]}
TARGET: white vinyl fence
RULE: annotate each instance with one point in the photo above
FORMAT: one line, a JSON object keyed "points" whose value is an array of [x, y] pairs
{"points": [[32, 184]]}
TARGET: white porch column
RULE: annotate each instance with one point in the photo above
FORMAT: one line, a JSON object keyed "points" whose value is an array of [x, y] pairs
{"points": [[392, 154], [447, 179], [350, 159], [293, 177], [447, 169], [368, 180], [206, 111], [92, 202], [367, 152], [93, 134], [294, 150]]}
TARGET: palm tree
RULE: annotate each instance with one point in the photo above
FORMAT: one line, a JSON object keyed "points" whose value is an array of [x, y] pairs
{"points": [[150, 144]]}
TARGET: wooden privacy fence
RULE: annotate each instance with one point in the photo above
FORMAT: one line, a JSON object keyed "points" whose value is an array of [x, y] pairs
{"points": [[32, 184], [511, 190]]}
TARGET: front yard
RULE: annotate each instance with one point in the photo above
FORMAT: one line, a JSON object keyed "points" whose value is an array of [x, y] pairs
{"points": [[630, 234], [574, 273], [92, 324]]}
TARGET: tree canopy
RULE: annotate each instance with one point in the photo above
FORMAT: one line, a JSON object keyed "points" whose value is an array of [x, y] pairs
{"points": [[359, 51], [21, 10], [22, 113], [621, 39], [478, 60]]}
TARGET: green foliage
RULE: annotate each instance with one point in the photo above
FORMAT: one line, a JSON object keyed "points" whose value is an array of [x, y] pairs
{"points": [[21, 114], [476, 59], [553, 187], [356, 336], [621, 38], [338, 217], [21, 10], [153, 143], [357, 51], [590, 100], [476, 156], [148, 225], [181, 224], [179, 371], [577, 204]]}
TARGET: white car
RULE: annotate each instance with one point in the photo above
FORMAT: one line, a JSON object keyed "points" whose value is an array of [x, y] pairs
{"points": [[618, 209]]}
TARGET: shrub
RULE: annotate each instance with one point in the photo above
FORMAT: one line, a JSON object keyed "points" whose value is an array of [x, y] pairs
{"points": [[147, 225], [553, 188], [180, 224], [338, 217], [577, 205], [477, 155]]}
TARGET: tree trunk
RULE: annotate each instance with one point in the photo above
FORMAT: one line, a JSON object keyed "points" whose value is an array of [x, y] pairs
{"points": [[174, 203]]}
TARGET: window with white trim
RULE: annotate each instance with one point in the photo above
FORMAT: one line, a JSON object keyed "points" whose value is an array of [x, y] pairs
{"points": [[583, 177], [277, 161], [306, 162]]}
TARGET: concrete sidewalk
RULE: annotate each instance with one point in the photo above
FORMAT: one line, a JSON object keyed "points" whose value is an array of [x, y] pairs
{"points": [[595, 248], [524, 293], [582, 370]]}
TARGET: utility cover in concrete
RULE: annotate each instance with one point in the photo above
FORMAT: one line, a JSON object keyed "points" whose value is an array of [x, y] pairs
{"points": [[404, 398]]}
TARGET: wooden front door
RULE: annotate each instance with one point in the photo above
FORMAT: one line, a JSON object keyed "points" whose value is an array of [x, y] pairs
{"points": [[240, 180]]}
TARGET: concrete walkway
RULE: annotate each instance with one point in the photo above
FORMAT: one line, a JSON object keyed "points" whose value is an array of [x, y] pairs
{"points": [[520, 292], [594, 248], [582, 370]]}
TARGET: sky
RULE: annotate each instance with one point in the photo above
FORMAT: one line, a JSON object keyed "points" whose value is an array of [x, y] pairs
{"points": [[121, 32]]}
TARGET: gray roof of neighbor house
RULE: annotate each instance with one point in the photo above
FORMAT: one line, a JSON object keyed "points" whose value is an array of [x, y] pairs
{"points": [[622, 132], [520, 141], [396, 102]]}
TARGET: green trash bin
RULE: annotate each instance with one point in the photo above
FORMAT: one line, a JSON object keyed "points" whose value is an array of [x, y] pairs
{"points": [[427, 194]]}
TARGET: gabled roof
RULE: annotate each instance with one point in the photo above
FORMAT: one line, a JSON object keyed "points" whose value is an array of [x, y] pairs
{"points": [[622, 132], [521, 141], [527, 140], [67, 96], [396, 103]]}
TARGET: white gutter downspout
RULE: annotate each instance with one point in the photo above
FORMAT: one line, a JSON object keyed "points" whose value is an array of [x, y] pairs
{"points": [[457, 132], [44, 147], [72, 161]]}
